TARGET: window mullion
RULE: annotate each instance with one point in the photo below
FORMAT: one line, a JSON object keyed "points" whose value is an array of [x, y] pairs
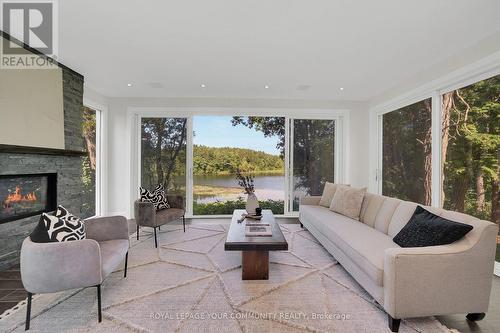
{"points": [[436, 149]]}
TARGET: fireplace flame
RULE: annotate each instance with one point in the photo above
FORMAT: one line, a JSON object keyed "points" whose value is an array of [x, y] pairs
{"points": [[17, 196]]}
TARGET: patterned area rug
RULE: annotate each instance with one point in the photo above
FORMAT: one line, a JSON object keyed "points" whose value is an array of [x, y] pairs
{"points": [[190, 284]]}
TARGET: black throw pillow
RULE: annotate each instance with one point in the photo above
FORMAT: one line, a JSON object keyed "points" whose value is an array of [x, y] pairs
{"points": [[427, 229], [40, 234]]}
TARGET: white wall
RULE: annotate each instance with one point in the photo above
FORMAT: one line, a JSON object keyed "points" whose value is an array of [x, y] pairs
{"points": [[120, 147]]}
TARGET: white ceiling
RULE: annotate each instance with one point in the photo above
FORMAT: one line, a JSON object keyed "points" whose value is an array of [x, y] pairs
{"points": [[169, 48]]}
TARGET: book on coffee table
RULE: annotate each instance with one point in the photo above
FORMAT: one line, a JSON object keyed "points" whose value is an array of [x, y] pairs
{"points": [[256, 224], [258, 231]]}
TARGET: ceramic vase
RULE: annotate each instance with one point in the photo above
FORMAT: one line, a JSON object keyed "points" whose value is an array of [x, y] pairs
{"points": [[252, 203]]}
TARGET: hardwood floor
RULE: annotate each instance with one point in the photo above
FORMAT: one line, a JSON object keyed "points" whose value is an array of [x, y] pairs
{"points": [[490, 324], [11, 288]]}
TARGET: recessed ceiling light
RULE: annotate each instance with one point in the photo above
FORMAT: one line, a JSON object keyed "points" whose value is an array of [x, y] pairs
{"points": [[203, 85], [341, 89], [266, 87], [129, 84]]}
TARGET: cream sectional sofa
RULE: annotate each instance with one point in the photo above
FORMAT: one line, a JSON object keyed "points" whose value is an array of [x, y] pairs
{"points": [[407, 282]]}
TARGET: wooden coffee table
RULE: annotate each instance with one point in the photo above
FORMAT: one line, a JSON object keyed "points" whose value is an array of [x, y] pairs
{"points": [[255, 250]]}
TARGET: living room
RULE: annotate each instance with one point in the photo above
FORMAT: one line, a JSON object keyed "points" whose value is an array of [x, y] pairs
{"points": [[250, 167]]}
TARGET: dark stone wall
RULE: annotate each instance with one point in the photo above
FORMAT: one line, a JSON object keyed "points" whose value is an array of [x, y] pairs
{"points": [[68, 168], [73, 113]]}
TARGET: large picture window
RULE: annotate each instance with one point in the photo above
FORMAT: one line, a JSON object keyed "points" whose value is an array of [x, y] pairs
{"points": [[406, 153], [470, 150], [163, 154], [467, 124], [91, 162], [198, 156], [225, 144], [313, 144]]}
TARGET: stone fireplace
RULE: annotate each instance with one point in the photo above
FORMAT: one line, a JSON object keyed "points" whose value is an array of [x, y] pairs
{"points": [[21, 180]]}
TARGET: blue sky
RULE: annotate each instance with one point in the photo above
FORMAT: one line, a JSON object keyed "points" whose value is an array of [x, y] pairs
{"points": [[217, 131]]}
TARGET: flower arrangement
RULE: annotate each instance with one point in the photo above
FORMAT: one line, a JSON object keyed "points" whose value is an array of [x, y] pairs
{"points": [[246, 182]]}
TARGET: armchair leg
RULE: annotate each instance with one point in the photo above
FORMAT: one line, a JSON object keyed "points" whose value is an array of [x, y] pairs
{"points": [[28, 312], [99, 314], [301, 225], [393, 323], [137, 232], [184, 222], [126, 262], [156, 241]]}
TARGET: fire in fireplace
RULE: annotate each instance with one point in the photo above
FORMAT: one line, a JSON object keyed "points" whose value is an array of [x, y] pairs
{"points": [[27, 195]]}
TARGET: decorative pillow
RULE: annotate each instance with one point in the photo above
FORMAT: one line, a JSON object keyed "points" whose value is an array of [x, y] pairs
{"points": [[157, 197], [61, 227], [347, 201], [328, 193], [427, 229]]}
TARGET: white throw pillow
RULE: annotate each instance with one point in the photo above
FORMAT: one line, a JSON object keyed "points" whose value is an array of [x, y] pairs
{"points": [[347, 201], [328, 193]]}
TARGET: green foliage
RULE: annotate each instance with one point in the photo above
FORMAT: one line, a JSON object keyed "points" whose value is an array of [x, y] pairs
{"points": [[225, 160], [471, 166], [163, 149], [470, 147], [404, 132], [227, 207], [88, 163], [269, 126], [313, 154]]}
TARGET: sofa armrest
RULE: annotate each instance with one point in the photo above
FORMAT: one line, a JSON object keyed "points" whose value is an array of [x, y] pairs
{"points": [[58, 266], [310, 200], [144, 214], [176, 201], [107, 228], [438, 280]]}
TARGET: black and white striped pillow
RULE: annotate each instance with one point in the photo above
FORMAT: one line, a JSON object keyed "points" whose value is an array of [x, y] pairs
{"points": [[61, 227], [157, 197]]}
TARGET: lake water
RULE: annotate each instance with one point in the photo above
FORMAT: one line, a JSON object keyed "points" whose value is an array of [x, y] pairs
{"points": [[267, 186]]}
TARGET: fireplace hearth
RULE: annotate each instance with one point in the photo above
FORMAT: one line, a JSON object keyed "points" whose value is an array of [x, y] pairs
{"points": [[25, 195]]}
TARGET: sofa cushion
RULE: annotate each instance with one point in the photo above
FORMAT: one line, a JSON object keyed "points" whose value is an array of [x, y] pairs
{"points": [[112, 254], [364, 245], [328, 193], [427, 229], [347, 201], [385, 214], [370, 207], [403, 213]]}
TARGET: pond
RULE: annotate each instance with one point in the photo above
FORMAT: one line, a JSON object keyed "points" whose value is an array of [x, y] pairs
{"points": [[214, 188]]}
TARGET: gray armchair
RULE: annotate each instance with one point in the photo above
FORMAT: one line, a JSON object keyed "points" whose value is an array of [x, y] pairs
{"points": [[58, 266], [147, 216]]}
